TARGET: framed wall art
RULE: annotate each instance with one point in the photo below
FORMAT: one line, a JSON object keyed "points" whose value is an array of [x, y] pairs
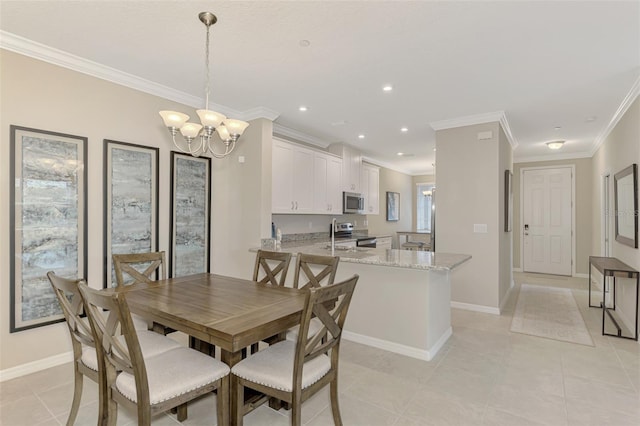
{"points": [[130, 202], [393, 206], [48, 220], [190, 215], [625, 189]]}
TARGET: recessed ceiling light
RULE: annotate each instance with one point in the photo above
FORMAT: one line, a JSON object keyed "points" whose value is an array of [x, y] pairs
{"points": [[387, 87], [360, 136], [302, 108], [555, 144], [400, 154], [404, 130]]}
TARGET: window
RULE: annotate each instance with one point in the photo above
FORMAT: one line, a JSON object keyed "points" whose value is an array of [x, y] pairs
{"points": [[423, 206]]}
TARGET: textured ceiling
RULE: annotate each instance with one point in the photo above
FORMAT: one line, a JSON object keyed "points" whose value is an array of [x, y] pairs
{"points": [[566, 64]]}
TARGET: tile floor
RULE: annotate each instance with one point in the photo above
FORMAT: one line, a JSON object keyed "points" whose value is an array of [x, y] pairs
{"points": [[485, 375]]}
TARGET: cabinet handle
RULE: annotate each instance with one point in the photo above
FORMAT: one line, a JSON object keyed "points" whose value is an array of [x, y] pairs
{"points": [[296, 205], [292, 205]]}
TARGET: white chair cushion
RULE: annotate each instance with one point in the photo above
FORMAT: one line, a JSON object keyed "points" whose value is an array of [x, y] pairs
{"points": [[139, 323], [314, 326], [273, 367], [174, 373], [151, 344]]}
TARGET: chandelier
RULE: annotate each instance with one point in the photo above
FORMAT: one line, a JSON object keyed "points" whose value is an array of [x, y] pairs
{"points": [[198, 138]]}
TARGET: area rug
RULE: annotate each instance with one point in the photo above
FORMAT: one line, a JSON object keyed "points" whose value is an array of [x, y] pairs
{"points": [[549, 312]]}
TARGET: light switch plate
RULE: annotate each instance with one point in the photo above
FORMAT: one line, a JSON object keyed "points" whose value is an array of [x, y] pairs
{"points": [[480, 228]]}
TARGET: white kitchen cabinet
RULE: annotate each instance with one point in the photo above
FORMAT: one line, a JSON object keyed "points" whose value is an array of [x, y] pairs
{"points": [[351, 164], [384, 242], [370, 181], [293, 178], [327, 192]]}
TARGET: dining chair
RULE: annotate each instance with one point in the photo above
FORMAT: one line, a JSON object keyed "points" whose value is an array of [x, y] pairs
{"points": [[294, 371], [132, 268], [85, 361], [148, 384], [313, 271], [271, 267]]}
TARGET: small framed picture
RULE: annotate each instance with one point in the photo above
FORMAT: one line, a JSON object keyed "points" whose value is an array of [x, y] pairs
{"points": [[393, 206]]}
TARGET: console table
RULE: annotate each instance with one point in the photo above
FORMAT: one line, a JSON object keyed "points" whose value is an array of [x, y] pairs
{"points": [[612, 267]]}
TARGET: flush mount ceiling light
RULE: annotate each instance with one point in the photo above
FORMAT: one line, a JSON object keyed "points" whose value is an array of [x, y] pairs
{"points": [[387, 87], [360, 136], [404, 130], [555, 144], [302, 108], [229, 130]]}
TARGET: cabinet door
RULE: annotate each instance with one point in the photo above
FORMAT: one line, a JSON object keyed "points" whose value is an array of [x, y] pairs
{"points": [[374, 191], [371, 188], [384, 242], [320, 184], [303, 180], [334, 185], [282, 174]]}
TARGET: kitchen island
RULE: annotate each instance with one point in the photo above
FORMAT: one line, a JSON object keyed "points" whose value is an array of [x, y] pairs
{"points": [[402, 302]]}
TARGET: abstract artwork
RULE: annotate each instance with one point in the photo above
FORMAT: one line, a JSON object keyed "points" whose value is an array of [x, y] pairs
{"points": [[48, 221], [190, 214], [130, 203], [393, 206]]}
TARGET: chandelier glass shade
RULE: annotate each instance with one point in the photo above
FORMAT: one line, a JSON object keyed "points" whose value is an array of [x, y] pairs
{"points": [[198, 139]]}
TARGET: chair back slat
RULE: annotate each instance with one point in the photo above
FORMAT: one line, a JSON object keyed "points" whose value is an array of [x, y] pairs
{"points": [[119, 355], [271, 267], [305, 277], [327, 338], [68, 295], [139, 267]]}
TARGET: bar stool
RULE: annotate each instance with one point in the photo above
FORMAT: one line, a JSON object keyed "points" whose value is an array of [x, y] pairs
{"points": [[413, 245]]}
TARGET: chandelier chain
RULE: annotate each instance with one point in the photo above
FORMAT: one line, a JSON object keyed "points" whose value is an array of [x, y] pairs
{"points": [[207, 87]]}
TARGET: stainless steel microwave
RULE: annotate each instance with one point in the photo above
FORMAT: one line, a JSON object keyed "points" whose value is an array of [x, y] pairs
{"points": [[352, 202]]}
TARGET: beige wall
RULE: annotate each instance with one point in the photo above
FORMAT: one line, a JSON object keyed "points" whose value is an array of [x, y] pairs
{"points": [[393, 181], [620, 150], [583, 209], [43, 96], [470, 184], [505, 239]]}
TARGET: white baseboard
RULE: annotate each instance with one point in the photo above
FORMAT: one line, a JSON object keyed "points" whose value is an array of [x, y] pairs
{"points": [[475, 308], [35, 366], [425, 355], [506, 297]]}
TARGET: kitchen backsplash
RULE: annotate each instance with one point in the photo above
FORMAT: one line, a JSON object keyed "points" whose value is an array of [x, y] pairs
{"points": [[311, 224]]}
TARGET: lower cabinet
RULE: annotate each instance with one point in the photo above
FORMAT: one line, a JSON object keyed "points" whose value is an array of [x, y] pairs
{"points": [[384, 242]]}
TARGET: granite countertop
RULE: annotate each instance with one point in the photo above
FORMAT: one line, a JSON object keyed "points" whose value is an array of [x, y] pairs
{"points": [[410, 259]]}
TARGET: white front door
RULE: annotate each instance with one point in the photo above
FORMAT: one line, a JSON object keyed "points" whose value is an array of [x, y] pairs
{"points": [[547, 220]]}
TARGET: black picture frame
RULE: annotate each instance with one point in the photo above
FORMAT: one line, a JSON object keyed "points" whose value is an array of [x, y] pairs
{"points": [[508, 201], [393, 206], [48, 221], [625, 190], [190, 221], [131, 178]]}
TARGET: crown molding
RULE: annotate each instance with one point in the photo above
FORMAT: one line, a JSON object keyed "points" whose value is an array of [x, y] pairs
{"points": [[632, 95], [553, 157], [42, 52], [280, 130], [389, 166], [472, 120]]}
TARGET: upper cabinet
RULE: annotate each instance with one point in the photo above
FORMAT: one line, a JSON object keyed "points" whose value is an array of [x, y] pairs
{"points": [[370, 181], [305, 181], [351, 164], [292, 184], [327, 184]]}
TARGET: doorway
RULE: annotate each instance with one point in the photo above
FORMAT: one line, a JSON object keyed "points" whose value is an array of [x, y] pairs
{"points": [[547, 220]]}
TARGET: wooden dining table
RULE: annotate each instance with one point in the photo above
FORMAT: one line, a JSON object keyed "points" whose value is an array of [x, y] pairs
{"points": [[230, 313]]}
